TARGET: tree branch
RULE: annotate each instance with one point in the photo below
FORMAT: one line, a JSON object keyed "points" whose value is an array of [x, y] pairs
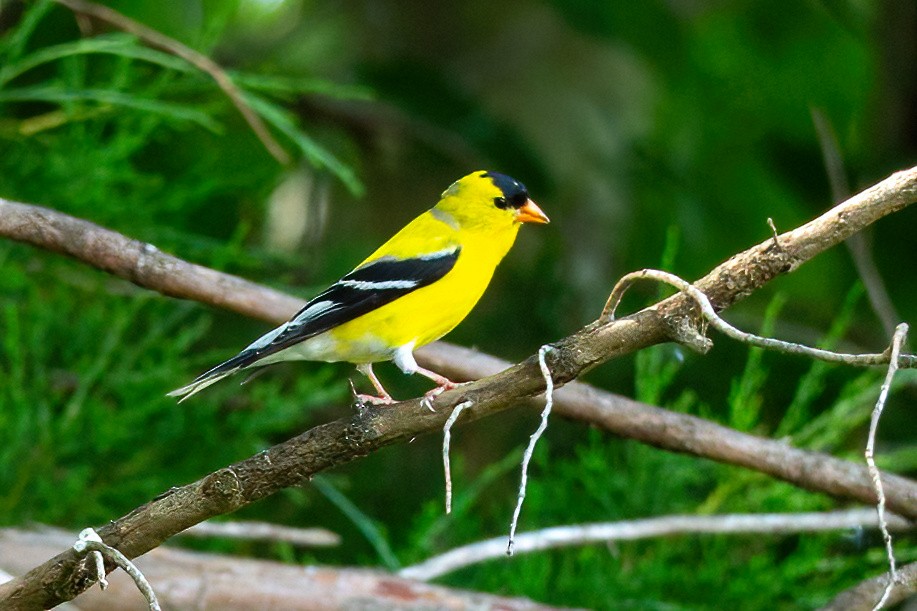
{"points": [[141, 263], [96, 552], [264, 531], [857, 245], [630, 530], [292, 462], [715, 321]]}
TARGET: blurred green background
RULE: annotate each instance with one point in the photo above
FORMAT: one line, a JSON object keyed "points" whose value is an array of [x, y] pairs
{"points": [[652, 133]]}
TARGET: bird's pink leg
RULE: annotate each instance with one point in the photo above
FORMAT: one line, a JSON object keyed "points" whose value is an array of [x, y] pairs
{"points": [[442, 382], [404, 359], [442, 385], [384, 398]]}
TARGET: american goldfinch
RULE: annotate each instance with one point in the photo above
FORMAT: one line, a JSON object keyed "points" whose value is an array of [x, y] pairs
{"points": [[413, 290]]}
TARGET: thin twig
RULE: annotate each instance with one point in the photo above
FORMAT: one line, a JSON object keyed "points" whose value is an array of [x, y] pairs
{"points": [[195, 58], [770, 223], [856, 244], [897, 341], [533, 439], [586, 534], [447, 437], [860, 360], [90, 542]]}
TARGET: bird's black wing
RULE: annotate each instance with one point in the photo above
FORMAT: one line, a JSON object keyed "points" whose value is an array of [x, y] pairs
{"points": [[364, 289]]}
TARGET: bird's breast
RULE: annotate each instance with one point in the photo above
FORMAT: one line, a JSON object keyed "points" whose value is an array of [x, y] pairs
{"points": [[424, 315]]}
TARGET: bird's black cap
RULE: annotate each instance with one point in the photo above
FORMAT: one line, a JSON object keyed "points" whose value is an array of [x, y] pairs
{"points": [[514, 192]]}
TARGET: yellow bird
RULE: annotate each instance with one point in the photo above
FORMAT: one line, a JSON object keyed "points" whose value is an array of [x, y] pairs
{"points": [[413, 290]]}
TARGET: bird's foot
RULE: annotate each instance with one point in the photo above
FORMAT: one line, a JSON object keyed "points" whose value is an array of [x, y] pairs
{"points": [[431, 395], [374, 400], [361, 400]]}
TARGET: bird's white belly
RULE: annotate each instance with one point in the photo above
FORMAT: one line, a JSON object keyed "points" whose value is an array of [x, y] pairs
{"points": [[325, 347]]}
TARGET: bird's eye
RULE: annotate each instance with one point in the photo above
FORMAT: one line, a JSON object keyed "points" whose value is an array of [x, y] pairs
{"points": [[500, 202]]}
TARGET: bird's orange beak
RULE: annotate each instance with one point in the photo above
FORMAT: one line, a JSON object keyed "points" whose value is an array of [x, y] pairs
{"points": [[529, 212]]}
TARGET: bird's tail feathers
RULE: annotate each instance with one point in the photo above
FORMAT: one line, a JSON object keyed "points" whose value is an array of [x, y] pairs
{"points": [[223, 370]]}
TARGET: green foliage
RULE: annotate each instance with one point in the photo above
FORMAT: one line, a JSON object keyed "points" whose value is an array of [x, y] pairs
{"points": [[148, 82], [370, 528], [84, 419], [745, 399], [85, 429]]}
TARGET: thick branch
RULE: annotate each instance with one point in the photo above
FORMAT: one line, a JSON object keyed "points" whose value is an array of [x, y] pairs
{"points": [[292, 462], [141, 263]]}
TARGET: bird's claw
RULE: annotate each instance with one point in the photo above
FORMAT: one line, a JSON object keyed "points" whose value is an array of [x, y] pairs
{"points": [[357, 402], [431, 395], [360, 400], [374, 400]]}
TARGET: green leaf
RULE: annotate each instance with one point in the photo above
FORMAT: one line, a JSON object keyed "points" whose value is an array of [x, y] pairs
{"points": [[114, 98], [287, 85], [122, 45], [745, 399], [363, 522], [314, 152], [11, 46], [812, 384]]}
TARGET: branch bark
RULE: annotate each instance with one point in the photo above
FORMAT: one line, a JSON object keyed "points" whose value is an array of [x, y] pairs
{"points": [[292, 462], [863, 596]]}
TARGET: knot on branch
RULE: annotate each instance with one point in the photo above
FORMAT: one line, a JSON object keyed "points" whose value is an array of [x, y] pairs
{"points": [[362, 429], [689, 333], [146, 259], [80, 580], [779, 260], [223, 487], [746, 272], [560, 359]]}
